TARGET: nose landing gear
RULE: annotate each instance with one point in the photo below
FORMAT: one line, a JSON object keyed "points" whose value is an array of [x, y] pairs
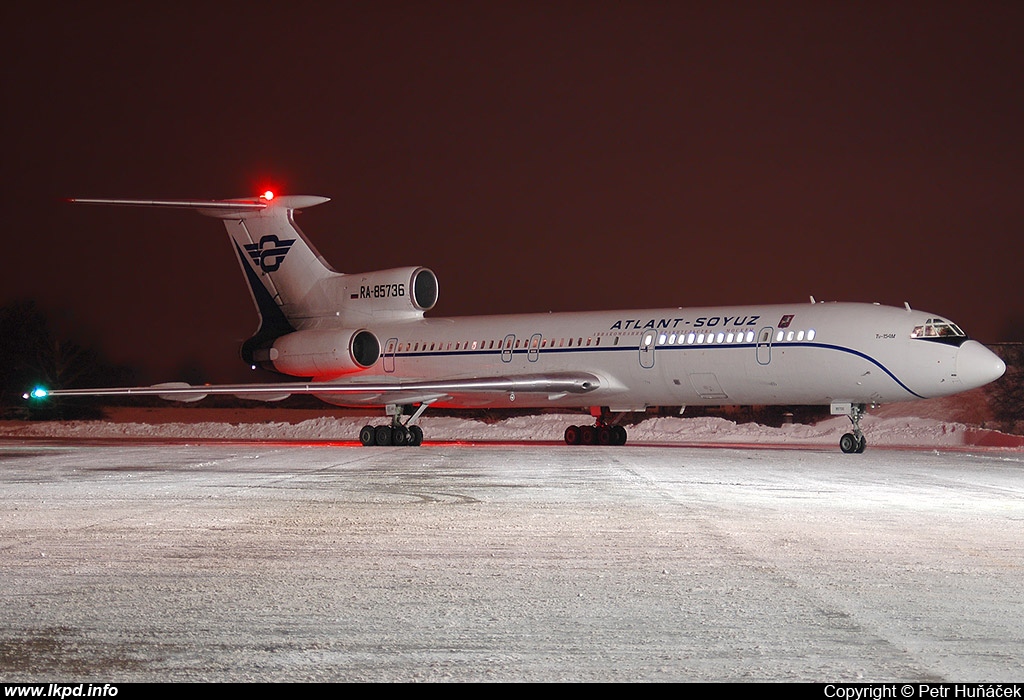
{"points": [[855, 442]]}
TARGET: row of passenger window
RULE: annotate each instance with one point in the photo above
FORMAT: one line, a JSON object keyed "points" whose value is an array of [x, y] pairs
{"points": [[534, 343], [693, 338], [722, 338], [790, 336]]}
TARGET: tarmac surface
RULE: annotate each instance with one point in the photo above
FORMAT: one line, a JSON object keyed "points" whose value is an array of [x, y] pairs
{"points": [[130, 561]]}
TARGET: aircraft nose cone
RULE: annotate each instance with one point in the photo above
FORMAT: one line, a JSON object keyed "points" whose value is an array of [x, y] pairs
{"points": [[976, 365]]}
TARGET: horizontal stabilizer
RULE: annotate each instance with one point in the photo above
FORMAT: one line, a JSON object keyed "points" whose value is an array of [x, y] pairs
{"points": [[219, 208], [225, 204]]}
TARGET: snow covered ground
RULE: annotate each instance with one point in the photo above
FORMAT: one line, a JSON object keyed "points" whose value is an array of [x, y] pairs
{"points": [[132, 561], [236, 545]]}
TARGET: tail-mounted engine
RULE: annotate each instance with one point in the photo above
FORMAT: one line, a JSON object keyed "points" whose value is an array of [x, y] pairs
{"points": [[320, 353], [400, 293], [343, 301]]}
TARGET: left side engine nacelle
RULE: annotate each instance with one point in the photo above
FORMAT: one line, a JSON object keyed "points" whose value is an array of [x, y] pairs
{"points": [[321, 353]]}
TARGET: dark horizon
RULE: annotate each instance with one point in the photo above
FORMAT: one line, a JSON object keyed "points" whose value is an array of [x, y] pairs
{"points": [[571, 156]]}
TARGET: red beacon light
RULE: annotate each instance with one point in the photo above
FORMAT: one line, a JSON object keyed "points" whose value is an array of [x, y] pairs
{"points": [[268, 195]]}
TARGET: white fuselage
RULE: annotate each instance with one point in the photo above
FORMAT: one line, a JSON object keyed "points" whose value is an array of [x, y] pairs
{"points": [[751, 355]]}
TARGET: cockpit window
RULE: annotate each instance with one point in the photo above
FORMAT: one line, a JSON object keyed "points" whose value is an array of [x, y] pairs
{"points": [[938, 330]]}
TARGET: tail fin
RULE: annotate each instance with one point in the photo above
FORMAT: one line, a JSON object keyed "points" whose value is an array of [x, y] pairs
{"points": [[284, 271]]}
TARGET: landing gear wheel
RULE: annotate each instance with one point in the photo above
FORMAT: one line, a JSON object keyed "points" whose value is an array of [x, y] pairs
{"points": [[572, 435], [862, 444], [604, 435], [849, 443], [382, 435], [368, 436], [415, 436], [588, 434], [399, 436], [618, 435]]}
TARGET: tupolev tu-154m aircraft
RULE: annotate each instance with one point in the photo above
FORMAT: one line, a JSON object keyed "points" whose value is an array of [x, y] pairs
{"points": [[363, 340]]}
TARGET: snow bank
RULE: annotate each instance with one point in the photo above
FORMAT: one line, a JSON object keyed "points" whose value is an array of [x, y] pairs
{"points": [[891, 431]]}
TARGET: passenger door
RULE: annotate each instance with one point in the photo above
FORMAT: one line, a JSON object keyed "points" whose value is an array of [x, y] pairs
{"points": [[648, 341], [764, 345]]}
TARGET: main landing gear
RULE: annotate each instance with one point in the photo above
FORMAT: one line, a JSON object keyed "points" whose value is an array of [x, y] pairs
{"points": [[855, 442], [602, 433], [399, 433], [595, 435]]}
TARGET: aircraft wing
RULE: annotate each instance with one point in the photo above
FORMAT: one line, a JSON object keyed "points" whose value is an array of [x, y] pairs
{"points": [[358, 392]]}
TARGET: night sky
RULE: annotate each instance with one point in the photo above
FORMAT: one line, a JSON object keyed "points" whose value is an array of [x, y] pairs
{"points": [[537, 156]]}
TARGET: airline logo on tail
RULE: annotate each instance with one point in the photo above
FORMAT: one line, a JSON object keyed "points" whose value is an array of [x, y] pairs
{"points": [[269, 253]]}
